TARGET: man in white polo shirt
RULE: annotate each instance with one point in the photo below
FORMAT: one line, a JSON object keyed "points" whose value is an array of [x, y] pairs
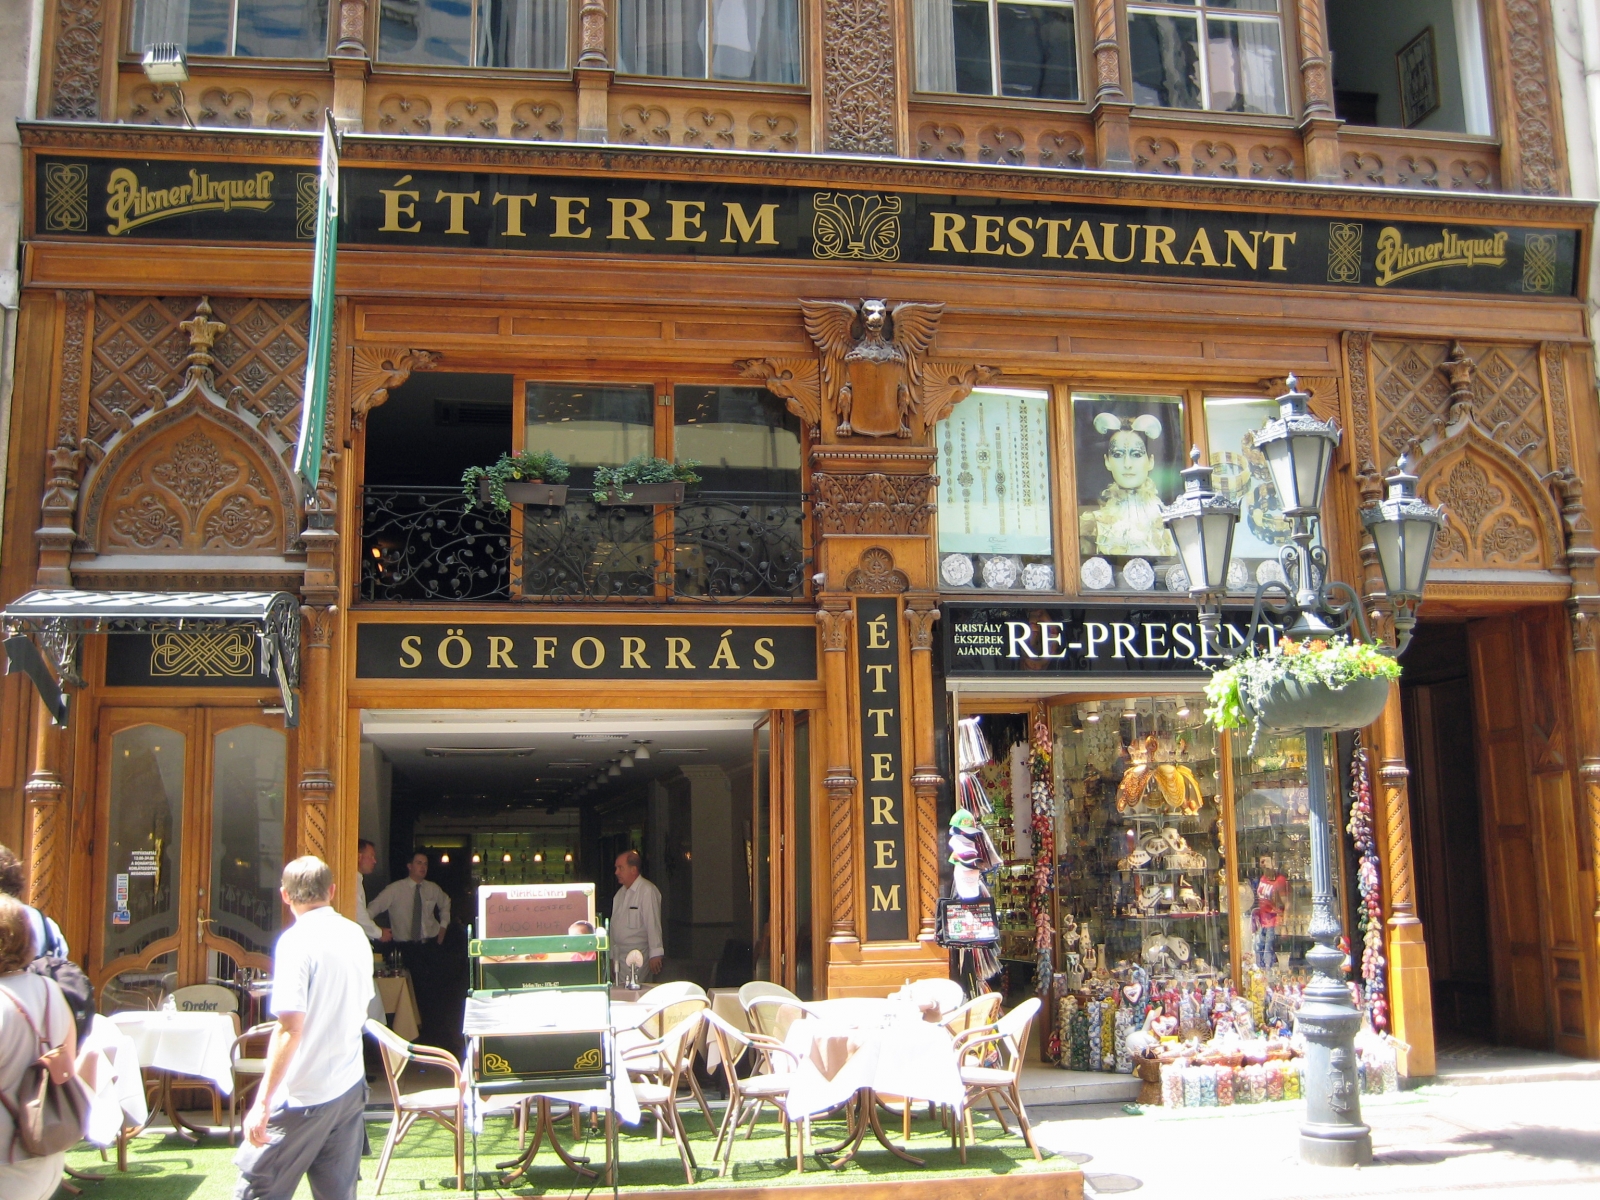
{"points": [[307, 1117]]}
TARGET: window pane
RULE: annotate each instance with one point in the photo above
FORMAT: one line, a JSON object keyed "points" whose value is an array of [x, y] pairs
{"points": [[662, 37], [1038, 51], [283, 29], [1240, 473], [971, 25], [1245, 5], [744, 439], [208, 29], [591, 425], [758, 40], [994, 492], [145, 853], [1165, 52], [952, 44], [527, 34], [1129, 451], [429, 32], [1245, 66], [247, 835]]}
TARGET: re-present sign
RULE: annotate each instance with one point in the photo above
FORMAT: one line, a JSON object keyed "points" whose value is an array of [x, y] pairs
{"points": [[998, 640]]}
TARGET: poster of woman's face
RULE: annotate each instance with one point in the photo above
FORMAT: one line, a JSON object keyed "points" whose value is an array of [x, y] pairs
{"points": [[1129, 452]]}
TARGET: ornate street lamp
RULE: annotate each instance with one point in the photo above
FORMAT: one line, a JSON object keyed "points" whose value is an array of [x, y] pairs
{"points": [[1404, 529], [1299, 450]]}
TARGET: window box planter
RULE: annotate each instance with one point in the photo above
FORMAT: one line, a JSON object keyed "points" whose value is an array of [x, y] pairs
{"points": [[642, 495], [522, 491]]}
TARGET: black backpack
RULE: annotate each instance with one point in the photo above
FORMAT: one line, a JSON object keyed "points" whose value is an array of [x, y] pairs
{"points": [[74, 984]]}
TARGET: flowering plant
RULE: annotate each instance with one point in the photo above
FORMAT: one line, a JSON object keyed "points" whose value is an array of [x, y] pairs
{"points": [[532, 466], [1237, 691]]}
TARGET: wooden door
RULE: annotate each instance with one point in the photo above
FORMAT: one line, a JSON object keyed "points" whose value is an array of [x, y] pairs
{"points": [[192, 824], [1529, 833], [780, 895]]}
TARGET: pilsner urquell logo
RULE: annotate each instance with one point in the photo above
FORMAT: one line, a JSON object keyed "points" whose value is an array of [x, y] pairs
{"points": [[1396, 260], [131, 205]]}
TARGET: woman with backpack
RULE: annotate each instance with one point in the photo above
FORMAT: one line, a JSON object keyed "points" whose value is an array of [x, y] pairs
{"points": [[35, 1024]]}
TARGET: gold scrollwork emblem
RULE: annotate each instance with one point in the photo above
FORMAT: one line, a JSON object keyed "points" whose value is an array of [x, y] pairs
{"points": [[859, 225], [228, 653], [66, 198], [1344, 251], [493, 1064], [1539, 263], [588, 1060]]}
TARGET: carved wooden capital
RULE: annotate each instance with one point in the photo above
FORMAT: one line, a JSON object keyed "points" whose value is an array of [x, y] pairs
{"points": [[378, 371], [877, 575], [873, 503], [834, 620], [920, 622], [318, 622]]}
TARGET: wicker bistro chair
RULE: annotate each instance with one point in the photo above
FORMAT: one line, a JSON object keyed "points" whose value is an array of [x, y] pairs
{"points": [[248, 1057], [985, 1010], [771, 1015], [664, 1061], [1010, 1036], [673, 1002], [769, 1086], [443, 1105], [206, 998]]}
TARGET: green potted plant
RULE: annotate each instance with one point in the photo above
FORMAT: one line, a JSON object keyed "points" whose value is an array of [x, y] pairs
{"points": [[532, 477], [644, 480], [1329, 684]]}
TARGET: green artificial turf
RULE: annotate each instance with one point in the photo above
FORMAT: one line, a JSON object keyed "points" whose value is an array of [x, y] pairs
{"points": [[163, 1168]]}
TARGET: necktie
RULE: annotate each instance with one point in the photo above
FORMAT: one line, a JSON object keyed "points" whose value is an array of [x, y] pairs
{"points": [[416, 912]]}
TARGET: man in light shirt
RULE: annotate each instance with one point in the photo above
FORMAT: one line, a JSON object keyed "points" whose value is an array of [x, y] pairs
{"points": [[366, 863], [419, 917], [307, 1119], [635, 919]]}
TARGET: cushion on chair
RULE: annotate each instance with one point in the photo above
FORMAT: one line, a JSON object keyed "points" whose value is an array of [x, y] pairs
{"points": [[445, 1097], [250, 1066], [652, 1093], [766, 1085], [985, 1077]]}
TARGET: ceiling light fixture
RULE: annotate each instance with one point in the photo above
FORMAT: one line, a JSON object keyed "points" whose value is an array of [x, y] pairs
{"points": [[614, 771], [627, 762]]}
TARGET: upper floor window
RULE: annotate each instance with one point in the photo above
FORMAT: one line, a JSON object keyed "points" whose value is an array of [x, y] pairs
{"points": [[754, 41], [243, 28], [997, 48], [1222, 55], [1410, 66], [527, 34]]}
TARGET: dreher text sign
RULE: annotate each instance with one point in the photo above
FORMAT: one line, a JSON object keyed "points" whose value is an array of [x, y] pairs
{"points": [[750, 653], [999, 640]]}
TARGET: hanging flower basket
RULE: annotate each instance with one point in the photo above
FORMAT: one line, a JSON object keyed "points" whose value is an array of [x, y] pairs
{"points": [[1335, 684]]}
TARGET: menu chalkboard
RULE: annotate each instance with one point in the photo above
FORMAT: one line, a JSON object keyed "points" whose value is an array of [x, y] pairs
{"points": [[534, 909]]}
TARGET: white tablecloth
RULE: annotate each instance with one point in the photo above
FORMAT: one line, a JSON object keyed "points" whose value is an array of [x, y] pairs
{"points": [[117, 1097], [903, 1058], [186, 1043]]}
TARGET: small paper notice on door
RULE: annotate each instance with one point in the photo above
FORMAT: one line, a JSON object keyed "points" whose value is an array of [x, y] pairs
{"points": [[122, 891], [121, 916], [143, 864]]}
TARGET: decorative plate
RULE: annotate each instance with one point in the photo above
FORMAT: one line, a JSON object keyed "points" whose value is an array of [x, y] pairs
{"points": [[1038, 577], [1000, 571], [1238, 575], [1177, 579], [1138, 574], [1096, 574], [956, 570], [1270, 571]]}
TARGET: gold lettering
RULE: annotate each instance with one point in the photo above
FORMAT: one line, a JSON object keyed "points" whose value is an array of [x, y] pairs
{"points": [[1018, 229], [724, 655], [883, 901], [514, 205], [543, 649], [1248, 251], [394, 208], [633, 654], [878, 633], [411, 651], [984, 230], [500, 653], [764, 655], [1084, 240], [458, 204], [947, 227], [632, 214], [878, 670], [883, 855], [882, 714], [1054, 228], [453, 638], [883, 810], [684, 220], [1278, 240], [1158, 240], [678, 654], [1201, 246], [883, 767], [1110, 240], [599, 652], [568, 210], [747, 227]]}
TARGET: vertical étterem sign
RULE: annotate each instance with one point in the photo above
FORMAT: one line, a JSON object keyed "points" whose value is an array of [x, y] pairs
{"points": [[882, 768], [319, 336]]}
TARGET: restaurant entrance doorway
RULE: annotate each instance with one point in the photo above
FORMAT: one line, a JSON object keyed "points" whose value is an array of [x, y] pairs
{"points": [[716, 802]]}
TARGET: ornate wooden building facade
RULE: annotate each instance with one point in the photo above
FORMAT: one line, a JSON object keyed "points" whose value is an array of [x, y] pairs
{"points": [[864, 232]]}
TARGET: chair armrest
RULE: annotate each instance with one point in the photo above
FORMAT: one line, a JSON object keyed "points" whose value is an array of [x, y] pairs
{"points": [[435, 1057], [974, 1038]]}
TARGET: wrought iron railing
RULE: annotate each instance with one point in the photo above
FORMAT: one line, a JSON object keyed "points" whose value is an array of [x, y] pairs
{"points": [[424, 544]]}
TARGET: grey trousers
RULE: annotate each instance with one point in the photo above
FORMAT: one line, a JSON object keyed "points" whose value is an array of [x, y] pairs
{"points": [[324, 1142]]}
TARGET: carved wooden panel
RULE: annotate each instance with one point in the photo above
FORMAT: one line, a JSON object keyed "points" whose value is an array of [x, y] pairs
{"points": [[192, 489], [1413, 393], [1530, 111], [223, 99], [858, 76], [1369, 158], [1218, 152], [712, 119], [79, 50], [474, 109], [954, 133], [138, 347], [1487, 522]]}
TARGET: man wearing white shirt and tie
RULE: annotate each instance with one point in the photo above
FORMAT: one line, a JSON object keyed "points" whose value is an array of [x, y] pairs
{"points": [[419, 916], [635, 919]]}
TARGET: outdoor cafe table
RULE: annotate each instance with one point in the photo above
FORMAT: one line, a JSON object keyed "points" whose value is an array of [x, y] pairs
{"points": [[399, 1002], [182, 1043], [856, 1050]]}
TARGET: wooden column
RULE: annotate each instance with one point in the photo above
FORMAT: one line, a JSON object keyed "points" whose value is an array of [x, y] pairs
{"points": [[317, 827], [1112, 109], [921, 613], [1319, 128], [49, 822], [593, 72], [835, 618]]}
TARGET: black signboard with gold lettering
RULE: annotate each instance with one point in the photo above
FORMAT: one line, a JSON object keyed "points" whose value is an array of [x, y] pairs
{"points": [[883, 789], [572, 214], [186, 658], [739, 653]]}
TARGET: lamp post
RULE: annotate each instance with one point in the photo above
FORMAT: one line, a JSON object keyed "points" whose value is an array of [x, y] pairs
{"points": [[1299, 447]]}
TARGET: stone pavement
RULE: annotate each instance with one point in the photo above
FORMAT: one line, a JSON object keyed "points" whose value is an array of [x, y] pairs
{"points": [[1505, 1140]]}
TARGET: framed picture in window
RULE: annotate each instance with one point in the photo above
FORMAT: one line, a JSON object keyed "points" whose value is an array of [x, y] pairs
{"points": [[1418, 66]]}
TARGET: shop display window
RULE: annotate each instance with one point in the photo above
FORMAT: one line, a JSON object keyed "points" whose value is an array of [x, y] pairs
{"points": [[1239, 472], [1129, 453], [591, 424], [995, 492]]}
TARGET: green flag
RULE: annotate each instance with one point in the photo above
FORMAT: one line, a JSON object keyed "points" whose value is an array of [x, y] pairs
{"points": [[319, 340]]}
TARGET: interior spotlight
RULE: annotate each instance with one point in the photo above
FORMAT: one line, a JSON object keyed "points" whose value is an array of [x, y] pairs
{"points": [[443, 858], [627, 760], [538, 857], [476, 858], [569, 856], [643, 752], [614, 771], [505, 858]]}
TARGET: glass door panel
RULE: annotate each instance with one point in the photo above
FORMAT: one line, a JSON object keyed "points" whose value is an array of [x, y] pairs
{"points": [[144, 846], [761, 850], [249, 768]]}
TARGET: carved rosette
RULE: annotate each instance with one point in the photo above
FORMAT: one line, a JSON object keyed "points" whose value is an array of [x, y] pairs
{"points": [[858, 77], [377, 371], [877, 575]]}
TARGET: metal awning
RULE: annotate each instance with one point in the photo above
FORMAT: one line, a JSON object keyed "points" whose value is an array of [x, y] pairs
{"points": [[43, 628]]}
